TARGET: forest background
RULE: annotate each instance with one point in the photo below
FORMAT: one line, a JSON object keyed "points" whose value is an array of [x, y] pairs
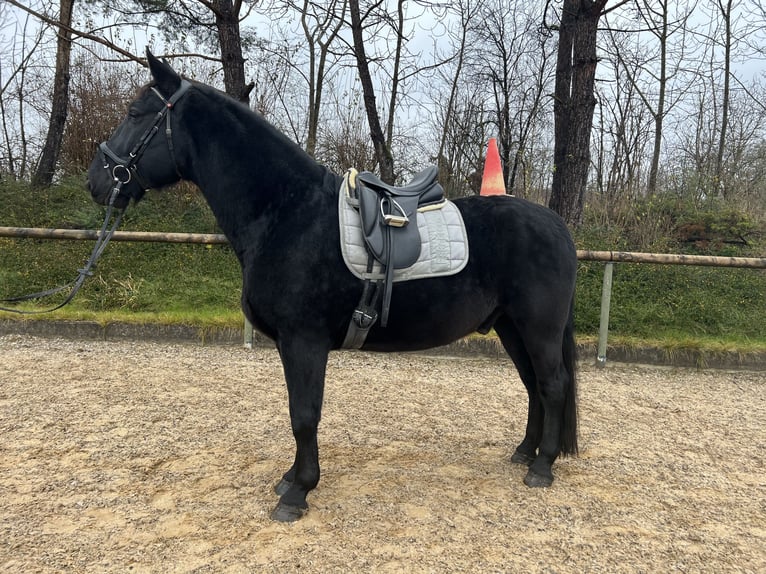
{"points": [[674, 150]]}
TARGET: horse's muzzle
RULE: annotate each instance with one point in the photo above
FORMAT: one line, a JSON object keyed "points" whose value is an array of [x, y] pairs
{"points": [[102, 197]]}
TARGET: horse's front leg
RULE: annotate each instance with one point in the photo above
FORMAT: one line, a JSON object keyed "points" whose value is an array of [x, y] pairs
{"points": [[304, 365]]}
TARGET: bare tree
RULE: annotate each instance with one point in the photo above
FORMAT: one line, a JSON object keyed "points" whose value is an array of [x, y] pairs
{"points": [[624, 131], [465, 11], [310, 58], [724, 39], [46, 167], [511, 59], [725, 9], [382, 149], [211, 23], [99, 92], [19, 58], [346, 141], [574, 103], [327, 23], [663, 62]]}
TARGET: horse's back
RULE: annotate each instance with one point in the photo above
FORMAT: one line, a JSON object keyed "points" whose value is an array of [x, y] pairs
{"points": [[501, 226]]}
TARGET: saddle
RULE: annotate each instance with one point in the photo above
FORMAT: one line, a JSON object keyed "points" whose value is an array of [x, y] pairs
{"points": [[388, 216], [389, 213]]}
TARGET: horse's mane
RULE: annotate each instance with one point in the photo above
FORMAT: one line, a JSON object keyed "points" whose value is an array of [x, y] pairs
{"points": [[241, 112], [255, 129]]}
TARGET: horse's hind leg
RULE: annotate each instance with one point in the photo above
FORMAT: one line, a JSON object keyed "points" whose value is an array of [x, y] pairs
{"points": [[304, 365], [526, 452], [552, 380], [541, 365]]}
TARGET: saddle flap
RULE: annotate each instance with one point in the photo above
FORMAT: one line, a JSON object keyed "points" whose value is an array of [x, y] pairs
{"points": [[384, 239]]}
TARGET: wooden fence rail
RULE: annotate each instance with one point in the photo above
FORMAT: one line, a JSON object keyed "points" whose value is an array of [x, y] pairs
{"points": [[672, 259], [217, 238], [141, 236]]}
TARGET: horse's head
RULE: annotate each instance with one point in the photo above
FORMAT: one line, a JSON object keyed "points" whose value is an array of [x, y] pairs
{"points": [[137, 157]]}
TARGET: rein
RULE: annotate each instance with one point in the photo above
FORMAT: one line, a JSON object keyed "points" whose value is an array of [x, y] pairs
{"points": [[104, 235], [122, 172]]}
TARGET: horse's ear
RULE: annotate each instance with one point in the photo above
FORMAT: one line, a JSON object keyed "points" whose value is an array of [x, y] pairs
{"points": [[165, 77]]}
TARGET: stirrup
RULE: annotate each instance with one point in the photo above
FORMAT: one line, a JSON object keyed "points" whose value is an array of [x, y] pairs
{"points": [[392, 219]]}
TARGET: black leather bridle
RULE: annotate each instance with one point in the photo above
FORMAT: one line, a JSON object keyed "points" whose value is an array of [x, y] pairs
{"points": [[125, 169], [122, 172]]}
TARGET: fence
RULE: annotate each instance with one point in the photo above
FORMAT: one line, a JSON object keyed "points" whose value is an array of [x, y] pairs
{"points": [[608, 257], [612, 257]]}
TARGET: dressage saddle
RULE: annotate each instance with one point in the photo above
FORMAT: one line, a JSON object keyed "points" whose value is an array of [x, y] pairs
{"points": [[388, 217], [389, 214]]}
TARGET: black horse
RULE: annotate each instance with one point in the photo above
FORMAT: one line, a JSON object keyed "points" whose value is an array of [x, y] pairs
{"points": [[279, 209]]}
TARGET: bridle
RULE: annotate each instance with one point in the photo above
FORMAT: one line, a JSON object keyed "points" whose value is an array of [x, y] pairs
{"points": [[123, 171]]}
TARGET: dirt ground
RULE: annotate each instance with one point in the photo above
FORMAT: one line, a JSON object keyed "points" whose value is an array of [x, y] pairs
{"points": [[146, 457]]}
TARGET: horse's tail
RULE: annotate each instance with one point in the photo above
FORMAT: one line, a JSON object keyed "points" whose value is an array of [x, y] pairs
{"points": [[569, 426]]}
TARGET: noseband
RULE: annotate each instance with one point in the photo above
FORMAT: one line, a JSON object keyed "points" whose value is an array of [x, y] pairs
{"points": [[126, 169]]}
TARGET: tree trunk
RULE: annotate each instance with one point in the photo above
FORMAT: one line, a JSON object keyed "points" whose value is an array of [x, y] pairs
{"points": [[319, 39], [466, 15], [659, 115], [382, 152], [726, 15], [46, 168], [314, 84], [227, 23], [573, 106], [395, 75]]}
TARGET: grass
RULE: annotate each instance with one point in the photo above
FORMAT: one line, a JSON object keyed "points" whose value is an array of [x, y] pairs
{"points": [[677, 303], [671, 307], [133, 282]]}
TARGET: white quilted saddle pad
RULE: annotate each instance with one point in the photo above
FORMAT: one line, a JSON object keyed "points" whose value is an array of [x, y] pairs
{"points": [[444, 243]]}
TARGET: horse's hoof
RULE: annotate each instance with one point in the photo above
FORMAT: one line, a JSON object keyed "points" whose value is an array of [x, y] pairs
{"points": [[282, 486], [522, 458], [534, 480], [287, 513]]}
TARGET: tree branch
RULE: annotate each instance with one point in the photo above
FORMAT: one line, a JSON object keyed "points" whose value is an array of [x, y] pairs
{"points": [[78, 33]]}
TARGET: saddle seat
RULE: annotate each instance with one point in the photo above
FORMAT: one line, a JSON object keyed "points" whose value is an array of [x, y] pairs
{"points": [[423, 185]]}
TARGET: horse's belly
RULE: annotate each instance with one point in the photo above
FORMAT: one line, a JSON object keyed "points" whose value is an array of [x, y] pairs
{"points": [[423, 317]]}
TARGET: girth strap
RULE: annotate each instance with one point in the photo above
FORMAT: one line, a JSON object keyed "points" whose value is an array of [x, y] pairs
{"points": [[365, 315]]}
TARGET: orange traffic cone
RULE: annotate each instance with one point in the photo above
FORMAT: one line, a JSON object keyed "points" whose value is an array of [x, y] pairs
{"points": [[492, 182]]}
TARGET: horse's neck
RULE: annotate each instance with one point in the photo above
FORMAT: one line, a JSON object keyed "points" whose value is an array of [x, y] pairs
{"points": [[248, 172]]}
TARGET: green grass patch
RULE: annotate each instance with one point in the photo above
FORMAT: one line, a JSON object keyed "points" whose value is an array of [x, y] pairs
{"points": [[676, 303], [133, 282]]}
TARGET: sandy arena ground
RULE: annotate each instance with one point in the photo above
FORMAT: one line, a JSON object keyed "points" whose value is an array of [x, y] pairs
{"points": [[145, 457]]}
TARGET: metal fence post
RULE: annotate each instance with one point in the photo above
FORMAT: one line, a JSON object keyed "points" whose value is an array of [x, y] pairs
{"points": [[248, 334], [603, 327]]}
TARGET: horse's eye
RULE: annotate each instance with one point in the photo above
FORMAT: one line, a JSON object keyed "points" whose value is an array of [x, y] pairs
{"points": [[133, 113]]}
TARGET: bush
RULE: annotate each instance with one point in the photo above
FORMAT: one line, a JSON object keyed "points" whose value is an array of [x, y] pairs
{"points": [[669, 224]]}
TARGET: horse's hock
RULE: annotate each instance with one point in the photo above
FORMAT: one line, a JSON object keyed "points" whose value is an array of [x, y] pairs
{"points": [[128, 455]]}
